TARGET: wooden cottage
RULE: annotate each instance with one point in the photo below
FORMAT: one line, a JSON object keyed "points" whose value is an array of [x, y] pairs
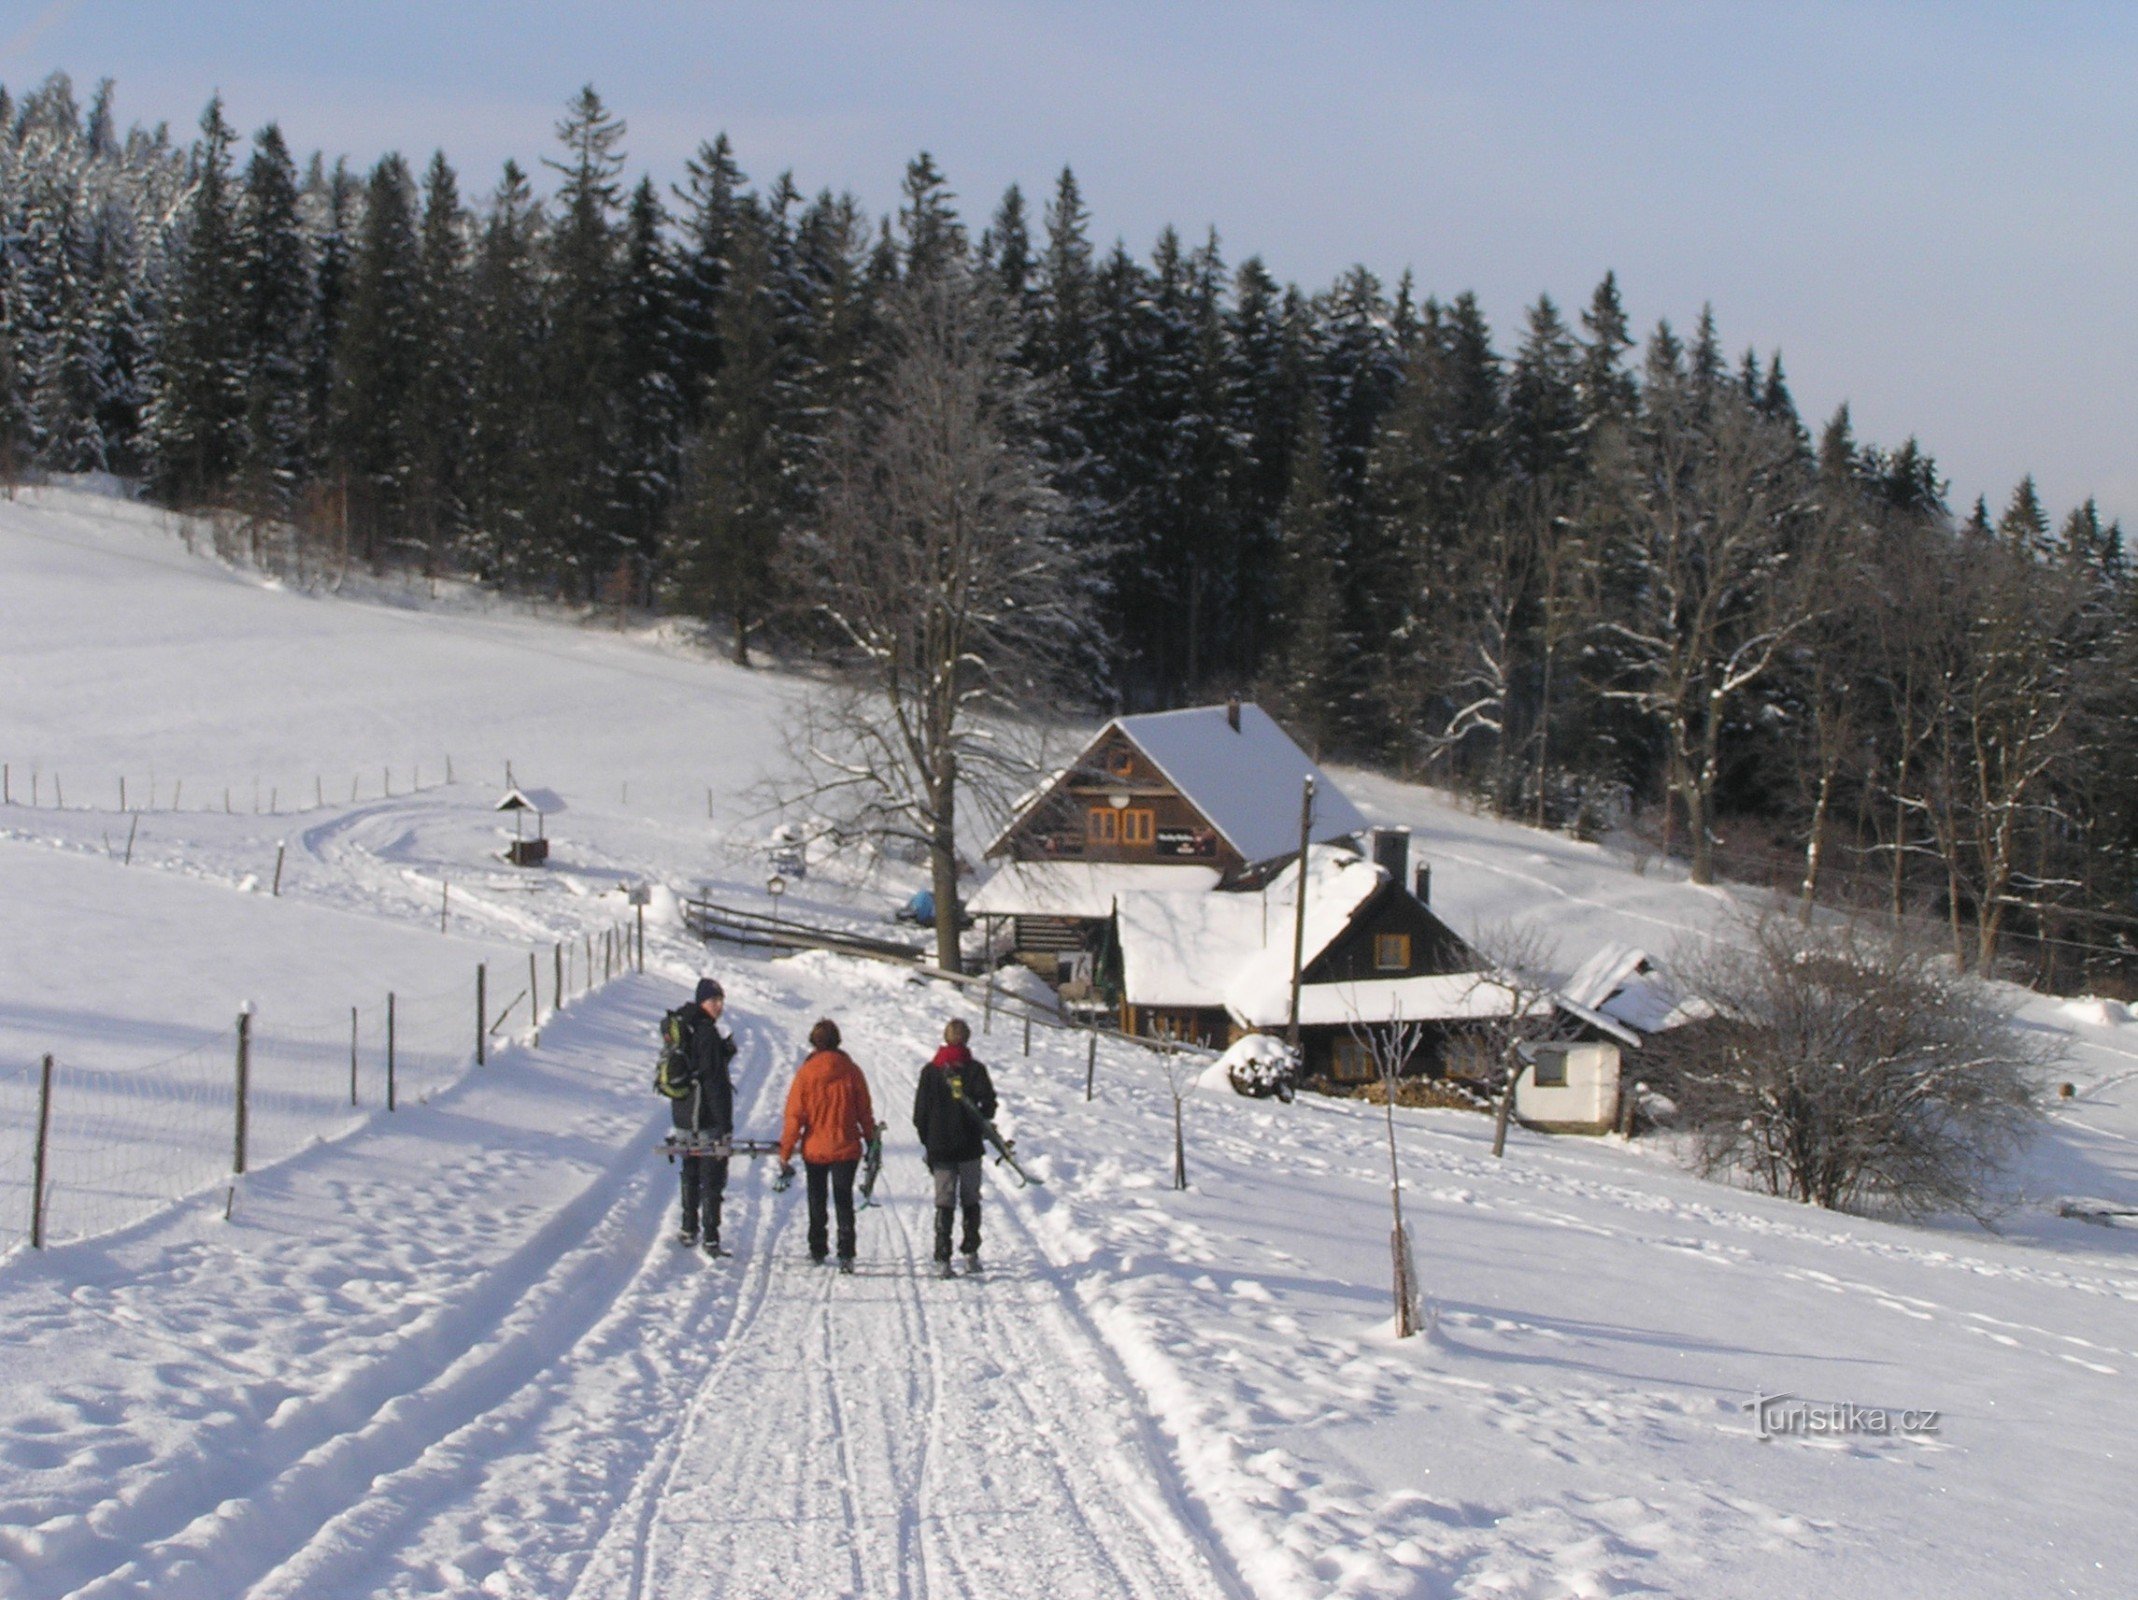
{"points": [[1174, 802]]}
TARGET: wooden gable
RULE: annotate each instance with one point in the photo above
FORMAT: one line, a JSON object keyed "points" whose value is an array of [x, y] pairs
{"points": [[1393, 935], [1114, 805]]}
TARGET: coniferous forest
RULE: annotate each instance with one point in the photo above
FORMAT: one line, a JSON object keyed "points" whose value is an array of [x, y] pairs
{"points": [[1592, 577]]}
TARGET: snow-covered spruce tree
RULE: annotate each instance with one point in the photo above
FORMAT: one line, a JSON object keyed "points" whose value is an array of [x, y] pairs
{"points": [[1850, 1070], [275, 284], [1313, 660], [578, 403], [197, 420], [377, 360], [504, 370], [649, 389], [937, 562], [739, 488], [438, 398]]}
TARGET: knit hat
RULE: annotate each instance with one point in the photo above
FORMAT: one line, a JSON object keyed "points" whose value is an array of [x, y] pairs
{"points": [[708, 989]]}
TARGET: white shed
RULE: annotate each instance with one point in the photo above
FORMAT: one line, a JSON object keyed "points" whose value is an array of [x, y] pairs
{"points": [[1569, 1088]]}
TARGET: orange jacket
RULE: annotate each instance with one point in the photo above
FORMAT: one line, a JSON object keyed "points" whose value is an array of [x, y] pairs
{"points": [[828, 1110]]}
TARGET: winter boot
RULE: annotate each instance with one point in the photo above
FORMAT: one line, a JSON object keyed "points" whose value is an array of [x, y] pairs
{"points": [[687, 1233], [969, 1245], [945, 1220]]}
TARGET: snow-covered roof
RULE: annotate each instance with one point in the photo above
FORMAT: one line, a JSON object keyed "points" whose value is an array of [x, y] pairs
{"points": [[1246, 781], [1189, 950], [1622, 984], [1441, 997], [1338, 883], [1084, 888], [544, 802]]}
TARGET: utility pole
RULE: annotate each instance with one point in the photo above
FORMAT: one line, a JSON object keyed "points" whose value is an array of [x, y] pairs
{"points": [[1299, 911]]}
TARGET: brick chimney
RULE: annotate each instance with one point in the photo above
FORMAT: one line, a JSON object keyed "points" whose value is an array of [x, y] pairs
{"points": [[1232, 713]]}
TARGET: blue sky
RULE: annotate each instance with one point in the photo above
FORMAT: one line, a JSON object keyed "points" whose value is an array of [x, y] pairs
{"points": [[1927, 208]]}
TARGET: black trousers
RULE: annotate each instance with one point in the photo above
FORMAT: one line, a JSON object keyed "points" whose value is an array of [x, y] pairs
{"points": [[705, 1178], [838, 1177]]}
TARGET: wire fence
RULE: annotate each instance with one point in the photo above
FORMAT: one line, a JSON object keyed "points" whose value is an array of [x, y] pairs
{"points": [[88, 1147]]}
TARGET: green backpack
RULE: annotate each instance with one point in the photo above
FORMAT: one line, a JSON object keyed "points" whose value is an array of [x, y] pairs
{"points": [[672, 1076]]}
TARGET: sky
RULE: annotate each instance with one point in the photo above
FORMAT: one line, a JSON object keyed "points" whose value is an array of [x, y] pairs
{"points": [[1926, 208]]}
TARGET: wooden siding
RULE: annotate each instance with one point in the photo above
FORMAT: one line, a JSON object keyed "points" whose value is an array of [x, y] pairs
{"points": [[1061, 824], [1434, 948]]}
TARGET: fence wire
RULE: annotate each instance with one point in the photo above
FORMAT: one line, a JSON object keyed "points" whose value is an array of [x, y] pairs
{"points": [[124, 1141]]}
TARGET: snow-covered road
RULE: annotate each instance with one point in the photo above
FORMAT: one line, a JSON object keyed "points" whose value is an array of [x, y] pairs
{"points": [[459, 1346]]}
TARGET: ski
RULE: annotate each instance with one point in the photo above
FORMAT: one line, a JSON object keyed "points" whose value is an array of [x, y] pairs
{"points": [[1005, 1149], [716, 1146], [871, 1166]]}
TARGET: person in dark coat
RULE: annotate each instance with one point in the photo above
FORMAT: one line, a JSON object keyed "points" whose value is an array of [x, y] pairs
{"points": [[709, 1108], [954, 1093]]}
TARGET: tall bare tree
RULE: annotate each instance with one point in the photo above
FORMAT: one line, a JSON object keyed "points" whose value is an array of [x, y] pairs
{"points": [[939, 563], [1710, 511]]}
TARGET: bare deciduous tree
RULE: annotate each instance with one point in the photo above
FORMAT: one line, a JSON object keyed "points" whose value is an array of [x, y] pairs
{"points": [[1710, 501], [939, 564], [1391, 1045], [1850, 1070]]}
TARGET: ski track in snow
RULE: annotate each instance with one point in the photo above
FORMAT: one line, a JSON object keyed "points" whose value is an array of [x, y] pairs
{"points": [[454, 1352]]}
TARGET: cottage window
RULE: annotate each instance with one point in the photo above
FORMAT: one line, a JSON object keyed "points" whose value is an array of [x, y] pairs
{"points": [[1351, 1062], [1139, 826], [1549, 1071], [1391, 952], [1102, 825]]}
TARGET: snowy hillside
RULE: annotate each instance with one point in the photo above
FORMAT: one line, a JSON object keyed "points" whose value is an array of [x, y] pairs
{"points": [[451, 1350]]}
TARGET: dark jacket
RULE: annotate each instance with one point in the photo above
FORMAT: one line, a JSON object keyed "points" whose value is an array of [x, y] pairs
{"points": [[710, 1047], [953, 1088]]}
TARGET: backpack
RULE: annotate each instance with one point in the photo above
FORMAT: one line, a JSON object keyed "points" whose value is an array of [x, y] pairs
{"points": [[672, 1076]]}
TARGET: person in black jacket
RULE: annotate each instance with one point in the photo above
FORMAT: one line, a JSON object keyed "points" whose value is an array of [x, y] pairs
{"points": [[709, 1108], [954, 1093]]}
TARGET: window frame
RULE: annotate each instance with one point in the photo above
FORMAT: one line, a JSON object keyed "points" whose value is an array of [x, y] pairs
{"points": [[1397, 941]]}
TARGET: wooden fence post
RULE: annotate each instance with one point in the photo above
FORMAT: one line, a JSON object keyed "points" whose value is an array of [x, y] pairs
{"points": [[445, 901], [389, 1051], [534, 996], [1028, 1033], [237, 1162], [37, 1173], [1091, 1060], [641, 909], [556, 989], [281, 845], [133, 827], [482, 1006], [352, 1055]]}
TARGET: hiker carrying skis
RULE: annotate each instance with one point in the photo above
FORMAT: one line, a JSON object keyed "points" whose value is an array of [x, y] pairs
{"points": [[830, 1117], [953, 1094], [699, 1060]]}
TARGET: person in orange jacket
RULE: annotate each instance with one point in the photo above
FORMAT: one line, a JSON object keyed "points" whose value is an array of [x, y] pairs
{"points": [[830, 1116]]}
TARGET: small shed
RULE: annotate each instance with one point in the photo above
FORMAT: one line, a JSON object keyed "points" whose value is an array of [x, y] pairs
{"points": [[543, 803], [1569, 1087]]}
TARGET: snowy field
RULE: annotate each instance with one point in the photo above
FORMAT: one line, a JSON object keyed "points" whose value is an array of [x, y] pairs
{"points": [[450, 1350]]}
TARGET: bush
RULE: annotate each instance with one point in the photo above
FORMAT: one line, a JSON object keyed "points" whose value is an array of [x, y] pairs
{"points": [[1850, 1071]]}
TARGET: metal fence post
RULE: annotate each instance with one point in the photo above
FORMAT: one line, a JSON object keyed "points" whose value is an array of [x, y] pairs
{"points": [[482, 1006], [534, 993], [237, 1162], [352, 1055], [37, 1173], [389, 1051], [556, 989]]}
